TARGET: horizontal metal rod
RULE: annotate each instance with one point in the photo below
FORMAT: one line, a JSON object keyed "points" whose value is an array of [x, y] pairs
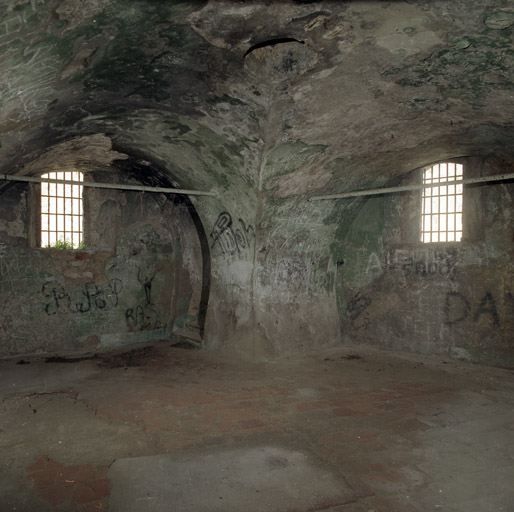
{"points": [[92, 184], [406, 188]]}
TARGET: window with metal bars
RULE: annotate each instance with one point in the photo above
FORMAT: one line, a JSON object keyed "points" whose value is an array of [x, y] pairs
{"points": [[441, 218], [61, 211]]}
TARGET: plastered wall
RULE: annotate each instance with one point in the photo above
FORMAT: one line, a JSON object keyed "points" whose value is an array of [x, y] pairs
{"points": [[448, 298], [139, 274]]}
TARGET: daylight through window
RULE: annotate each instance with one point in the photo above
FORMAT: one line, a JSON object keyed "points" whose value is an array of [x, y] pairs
{"points": [[61, 210], [441, 219]]}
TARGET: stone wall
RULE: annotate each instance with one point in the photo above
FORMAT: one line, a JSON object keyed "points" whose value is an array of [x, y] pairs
{"points": [[448, 298], [266, 105], [139, 274]]}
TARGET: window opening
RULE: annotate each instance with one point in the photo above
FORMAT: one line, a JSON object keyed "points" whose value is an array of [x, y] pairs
{"points": [[61, 211], [441, 219]]}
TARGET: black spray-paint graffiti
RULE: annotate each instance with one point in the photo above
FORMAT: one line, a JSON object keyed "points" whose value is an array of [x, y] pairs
{"points": [[144, 316], [457, 308], [229, 238], [89, 298], [355, 309], [145, 276]]}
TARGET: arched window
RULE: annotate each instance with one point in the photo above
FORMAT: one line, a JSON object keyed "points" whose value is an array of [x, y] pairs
{"points": [[61, 211], [441, 217]]}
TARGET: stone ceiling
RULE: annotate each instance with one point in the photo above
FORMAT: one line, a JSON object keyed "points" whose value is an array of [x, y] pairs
{"points": [[294, 96]]}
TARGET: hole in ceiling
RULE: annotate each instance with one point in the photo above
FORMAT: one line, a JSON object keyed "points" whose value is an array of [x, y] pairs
{"points": [[272, 42]]}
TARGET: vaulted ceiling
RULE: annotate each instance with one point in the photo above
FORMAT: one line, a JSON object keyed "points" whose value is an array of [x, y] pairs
{"points": [[233, 93]]}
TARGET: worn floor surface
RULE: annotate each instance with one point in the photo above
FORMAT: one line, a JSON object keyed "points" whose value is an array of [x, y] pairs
{"points": [[158, 428]]}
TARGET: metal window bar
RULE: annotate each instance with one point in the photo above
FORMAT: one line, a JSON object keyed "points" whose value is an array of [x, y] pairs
{"points": [[441, 219], [61, 209], [53, 178]]}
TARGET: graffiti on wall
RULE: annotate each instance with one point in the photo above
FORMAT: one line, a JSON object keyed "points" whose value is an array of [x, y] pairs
{"points": [[374, 264], [421, 262], [356, 310], [143, 317], [146, 315], [297, 274], [229, 237], [457, 308], [145, 276], [90, 297]]}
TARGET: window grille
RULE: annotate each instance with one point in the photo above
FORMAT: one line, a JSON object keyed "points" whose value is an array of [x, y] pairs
{"points": [[441, 219], [61, 210]]}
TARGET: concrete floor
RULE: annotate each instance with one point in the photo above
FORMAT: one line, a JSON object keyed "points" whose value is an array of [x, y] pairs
{"points": [[161, 428]]}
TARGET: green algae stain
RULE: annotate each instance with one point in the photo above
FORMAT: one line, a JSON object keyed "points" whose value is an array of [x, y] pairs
{"points": [[147, 44], [357, 250], [474, 65]]}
